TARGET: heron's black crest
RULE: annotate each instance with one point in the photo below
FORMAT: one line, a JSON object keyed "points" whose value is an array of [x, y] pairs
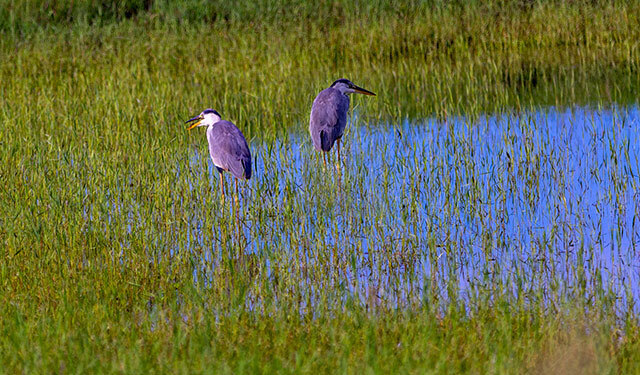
{"points": [[209, 110], [341, 80]]}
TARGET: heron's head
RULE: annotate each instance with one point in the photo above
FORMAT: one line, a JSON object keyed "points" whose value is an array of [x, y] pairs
{"points": [[205, 118], [347, 87]]}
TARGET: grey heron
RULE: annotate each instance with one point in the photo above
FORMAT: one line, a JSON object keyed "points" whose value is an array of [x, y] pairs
{"points": [[227, 146], [329, 115]]}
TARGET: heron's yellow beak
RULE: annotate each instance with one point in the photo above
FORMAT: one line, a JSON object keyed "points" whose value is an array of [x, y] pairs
{"points": [[195, 124], [197, 119], [360, 90]]}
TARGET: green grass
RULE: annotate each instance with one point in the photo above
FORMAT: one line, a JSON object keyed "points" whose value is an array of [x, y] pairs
{"points": [[411, 342], [110, 265]]}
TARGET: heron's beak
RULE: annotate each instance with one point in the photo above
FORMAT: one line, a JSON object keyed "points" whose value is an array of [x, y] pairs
{"points": [[197, 122], [360, 90]]}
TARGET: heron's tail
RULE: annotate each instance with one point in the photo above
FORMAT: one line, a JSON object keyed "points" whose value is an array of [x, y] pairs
{"points": [[325, 141], [246, 166]]}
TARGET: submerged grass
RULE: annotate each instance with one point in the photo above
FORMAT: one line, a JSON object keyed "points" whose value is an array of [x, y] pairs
{"points": [[119, 256]]}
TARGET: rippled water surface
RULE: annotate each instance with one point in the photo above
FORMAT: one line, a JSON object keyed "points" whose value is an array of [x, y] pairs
{"points": [[536, 206]]}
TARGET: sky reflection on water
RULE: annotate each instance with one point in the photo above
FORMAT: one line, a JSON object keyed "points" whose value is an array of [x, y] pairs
{"points": [[524, 204]]}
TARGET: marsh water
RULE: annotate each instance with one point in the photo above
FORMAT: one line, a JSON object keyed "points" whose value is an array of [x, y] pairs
{"points": [[537, 206]]}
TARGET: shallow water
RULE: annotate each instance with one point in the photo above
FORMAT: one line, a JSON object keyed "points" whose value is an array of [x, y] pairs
{"points": [[538, 206]]}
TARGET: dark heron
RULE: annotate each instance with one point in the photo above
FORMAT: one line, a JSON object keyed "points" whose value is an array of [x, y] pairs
{"points": [[227, 146], [329, 115]]}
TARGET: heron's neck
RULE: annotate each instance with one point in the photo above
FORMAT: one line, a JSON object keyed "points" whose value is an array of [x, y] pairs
{"points": [[211, 126], [213, 122]]}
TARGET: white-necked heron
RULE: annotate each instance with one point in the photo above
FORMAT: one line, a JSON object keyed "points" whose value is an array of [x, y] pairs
{"points": [[227, 146], [329, 115]]}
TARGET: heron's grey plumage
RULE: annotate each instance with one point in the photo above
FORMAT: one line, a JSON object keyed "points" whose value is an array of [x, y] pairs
{"points": [[229, 150], [328, 118], [329, 114], [227, 146]]}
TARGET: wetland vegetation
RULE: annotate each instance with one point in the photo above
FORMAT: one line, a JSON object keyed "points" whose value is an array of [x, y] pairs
{"points": [[484, 219]]}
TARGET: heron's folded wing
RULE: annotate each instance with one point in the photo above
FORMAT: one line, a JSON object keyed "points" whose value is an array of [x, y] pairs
{"points": [[229, 150], [328, 118]]}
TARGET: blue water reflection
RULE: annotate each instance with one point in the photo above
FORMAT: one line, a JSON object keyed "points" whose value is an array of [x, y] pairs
{"points": [[536, 205]]}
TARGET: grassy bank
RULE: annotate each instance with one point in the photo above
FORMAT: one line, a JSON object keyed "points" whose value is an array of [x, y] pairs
{"points": [[119, 257], [497, 341], [263, 75]]}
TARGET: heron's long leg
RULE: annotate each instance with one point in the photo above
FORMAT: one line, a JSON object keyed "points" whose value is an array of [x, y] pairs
{"points": [[338, 143], [236, 210], [236, 197], [221, 185], [324, 158]]}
